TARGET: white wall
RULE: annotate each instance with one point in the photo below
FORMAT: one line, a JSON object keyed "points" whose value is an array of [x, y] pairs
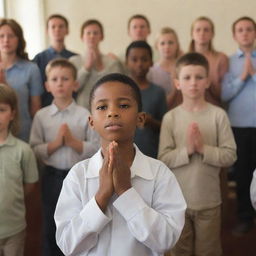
{"points": [[114, 14]]}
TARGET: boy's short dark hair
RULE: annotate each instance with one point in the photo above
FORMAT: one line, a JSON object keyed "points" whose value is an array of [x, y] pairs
{"points": [[117, 77], [61, 62], [243, 18], [92, 22], [139, 16], [57, 16], [192, 58], [139, 44]]}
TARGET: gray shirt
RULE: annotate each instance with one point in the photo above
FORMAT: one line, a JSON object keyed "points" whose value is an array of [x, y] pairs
{"points": [[46, 124]]}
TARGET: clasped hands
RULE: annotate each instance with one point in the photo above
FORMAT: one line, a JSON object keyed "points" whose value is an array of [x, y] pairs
{"points": [[195, 143], [114, 177]]}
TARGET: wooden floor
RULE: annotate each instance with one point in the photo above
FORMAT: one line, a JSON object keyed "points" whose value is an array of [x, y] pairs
{"points": [[232, 246]]}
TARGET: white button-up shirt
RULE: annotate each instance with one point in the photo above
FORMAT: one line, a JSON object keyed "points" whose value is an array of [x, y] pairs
{"points": [[145, 220], [45, 127]]}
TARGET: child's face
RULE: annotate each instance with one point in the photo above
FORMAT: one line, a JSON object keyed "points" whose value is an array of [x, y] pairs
{"points": [[192, 81], [92, 36], [138, 30], [8, 40], [202, 32], [57, 29], [114, 113], [167, 45], [6, 116], [244, 33], [138, 62], [61, 83]]}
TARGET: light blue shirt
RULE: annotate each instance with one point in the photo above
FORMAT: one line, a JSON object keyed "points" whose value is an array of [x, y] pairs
{"points": [[240, 95], [24, 77]]}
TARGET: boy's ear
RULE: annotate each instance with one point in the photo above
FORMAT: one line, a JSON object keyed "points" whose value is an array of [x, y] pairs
{"points": [[90, 120], [141, 119], [47, 86], [208, 83], [76, 86], [177, 83]]}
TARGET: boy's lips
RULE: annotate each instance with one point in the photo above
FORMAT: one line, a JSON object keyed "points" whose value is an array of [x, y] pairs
{"points": [[113, 126]]}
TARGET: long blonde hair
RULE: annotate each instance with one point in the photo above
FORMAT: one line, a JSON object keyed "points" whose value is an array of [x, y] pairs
{"points": [[169, 30], [8, 96], [192, 42]]}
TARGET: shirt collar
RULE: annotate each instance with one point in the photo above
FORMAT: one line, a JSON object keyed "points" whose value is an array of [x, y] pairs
{"points": [[240, 53], [10, 140], [53, 51], [54, 109], [140, 166]]}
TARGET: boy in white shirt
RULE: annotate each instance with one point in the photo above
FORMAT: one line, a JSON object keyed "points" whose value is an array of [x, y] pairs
{"points": [[119, 202], [61, 137]]}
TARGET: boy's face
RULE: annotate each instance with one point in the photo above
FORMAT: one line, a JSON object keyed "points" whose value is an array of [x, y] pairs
{"points": [[192, 81], [138, 62], [138, 30], [6, 116], [92, 36], [244, 33], [114, 113], [57, 29], [61, 83]]}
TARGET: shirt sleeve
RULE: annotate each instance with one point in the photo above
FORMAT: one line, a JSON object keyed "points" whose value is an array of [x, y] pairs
{"points": [[168, 152], [29, 165], [79, 226], [231, 86], [37, 140], [35, 81], [224, 154], [253, 190], [157, 226]]}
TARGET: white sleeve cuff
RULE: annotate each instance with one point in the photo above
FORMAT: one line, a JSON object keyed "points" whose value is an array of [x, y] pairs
{"points": [[124, 206], [93, 215]]}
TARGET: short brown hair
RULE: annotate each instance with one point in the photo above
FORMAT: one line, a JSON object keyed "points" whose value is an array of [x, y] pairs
{"points": [[61, 62], [192, 58], [57, 16], [138, 16], [243, 18], [17, 30], [92, 22], [8, 96]]}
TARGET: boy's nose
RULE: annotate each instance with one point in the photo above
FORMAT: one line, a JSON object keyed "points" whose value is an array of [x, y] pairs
{"points": [[113, 114]]}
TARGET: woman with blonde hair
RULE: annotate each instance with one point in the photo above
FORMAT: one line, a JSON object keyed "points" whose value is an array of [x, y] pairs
{"points": [[162, 72]]}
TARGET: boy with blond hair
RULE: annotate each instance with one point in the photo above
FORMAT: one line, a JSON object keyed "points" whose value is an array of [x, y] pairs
{"points": [[60, 137]]}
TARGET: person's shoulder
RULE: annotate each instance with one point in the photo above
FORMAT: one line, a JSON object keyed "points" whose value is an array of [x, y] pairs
{"points": [[158, 169], [22, 145], [41, 112], [156, 88], [217, 112], [82, 110]]}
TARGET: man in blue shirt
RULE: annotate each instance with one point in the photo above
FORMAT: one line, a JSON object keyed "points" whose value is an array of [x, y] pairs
{"points": [[239, 91], [57, 28]]}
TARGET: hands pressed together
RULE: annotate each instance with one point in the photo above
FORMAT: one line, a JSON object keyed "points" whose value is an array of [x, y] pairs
{"points": [[65, 138], [115, 176], [248, 67], [195, 142]]}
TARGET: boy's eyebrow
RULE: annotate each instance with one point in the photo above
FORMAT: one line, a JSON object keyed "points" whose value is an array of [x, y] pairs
{"points": [[119, 99]]}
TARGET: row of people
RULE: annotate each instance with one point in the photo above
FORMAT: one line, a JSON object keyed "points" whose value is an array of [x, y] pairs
{"points": [[136, 54]]}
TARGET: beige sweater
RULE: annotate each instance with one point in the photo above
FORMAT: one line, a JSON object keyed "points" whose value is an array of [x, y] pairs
{"points": [[198, 175]]}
